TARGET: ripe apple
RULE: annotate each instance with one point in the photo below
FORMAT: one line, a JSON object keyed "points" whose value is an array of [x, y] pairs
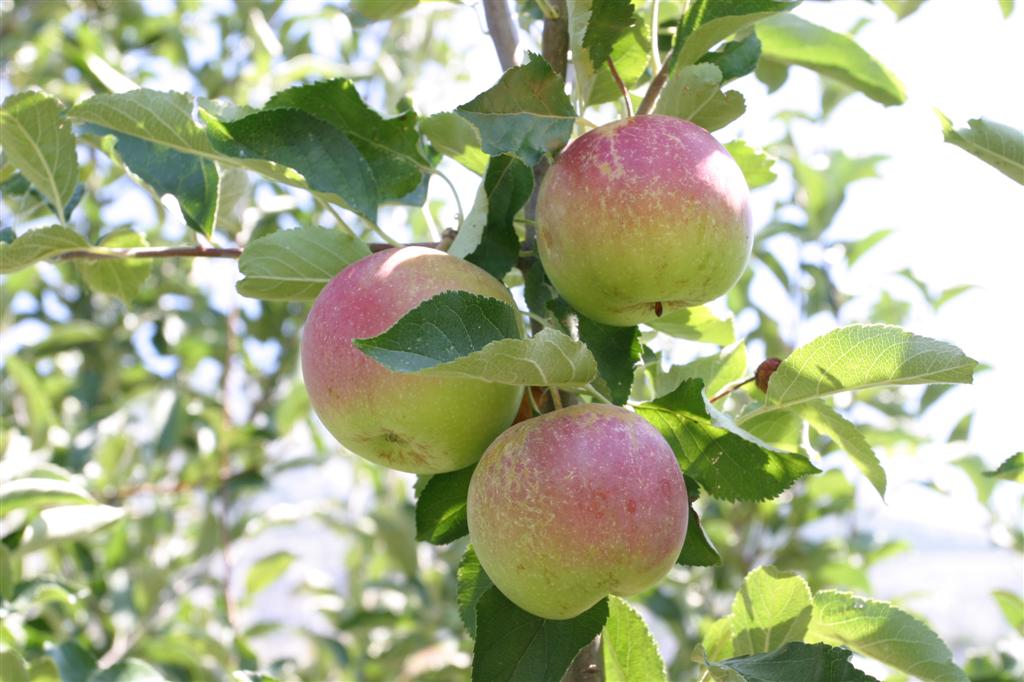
{"points": [[421, 424], [643, 216], [576, 504]]}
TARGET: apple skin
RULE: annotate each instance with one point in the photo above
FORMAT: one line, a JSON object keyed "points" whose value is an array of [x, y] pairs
{"points": [[576, 504], [644, 211], [420, 424]]}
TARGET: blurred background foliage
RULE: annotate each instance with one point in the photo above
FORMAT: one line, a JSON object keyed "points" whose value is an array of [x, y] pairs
{"points": [[219, 527]]}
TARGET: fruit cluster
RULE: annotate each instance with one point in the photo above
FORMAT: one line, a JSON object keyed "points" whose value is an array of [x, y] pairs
{"points": [[636, 218]]}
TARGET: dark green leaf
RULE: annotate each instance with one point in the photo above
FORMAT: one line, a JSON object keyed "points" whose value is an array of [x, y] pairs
{"points": [[526, 114], [617, 350], [326, 157], [794, 661], [697, 548], [472, 584], [294, 265], [488, 237], [736, 59], [74, 663], [191, 179], [707, 22], [998, 145], [728, 462], [792, 40], [461, 334], [441, 507], [390, 146], [609, 21], [513, 645]]}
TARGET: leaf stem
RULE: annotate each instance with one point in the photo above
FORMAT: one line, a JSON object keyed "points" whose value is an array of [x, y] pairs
{"points": [[379, 231], [655, 26], [337, 216], [622, 88], [594, 393], [654, 89], [458, 202], [730, 388], [556, 397]]}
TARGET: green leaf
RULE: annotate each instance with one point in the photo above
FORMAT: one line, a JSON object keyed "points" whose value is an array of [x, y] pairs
{"points": [[193, 180], [707, 22], [43, 670], [736, 59], [461, 334], [630, 652], [37, 493], [794, 661], [697, 548], [844, 434], [120, 277], [771, 609], [39, 244], [717, 640], [266, 571], [512, 644], [390, 146], [854, 250], [1006, 6], [824, 189], [1012, 469], [862, 356], [792, 40], [728, 462], [630, 52], [781, 428], [251, 676], [526, 114], [693, 94], [66, 523], [1012, 607], [755, 164], [128, 670], [294, 265], [490, 240], [441, 507], [161, 117], [472, 584], [716, 371], [325, 156], [39, 143], [609, 21], [881, 631], [903, 8], [697, 324], [617, 350], [456, 137], [73, 662], [10, 570], [378, 10], [998, 145], [12, 665], [41, 415]]}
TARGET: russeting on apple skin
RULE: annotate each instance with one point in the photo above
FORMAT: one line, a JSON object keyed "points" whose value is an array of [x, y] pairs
{"points": [[576, 504], [643, 216], [420, 424]]}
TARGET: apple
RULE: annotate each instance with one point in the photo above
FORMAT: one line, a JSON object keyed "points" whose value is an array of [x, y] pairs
{"points": [[420, 424], [643, 216], [576, 504]]}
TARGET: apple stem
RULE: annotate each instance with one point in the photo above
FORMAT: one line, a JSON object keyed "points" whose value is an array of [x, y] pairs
{"points": [[622, 88], [556, 397]]}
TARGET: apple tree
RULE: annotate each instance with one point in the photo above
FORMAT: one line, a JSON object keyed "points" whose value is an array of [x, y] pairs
{"points": [[248, 279]]}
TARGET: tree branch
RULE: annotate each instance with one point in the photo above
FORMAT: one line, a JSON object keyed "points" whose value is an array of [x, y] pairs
{"points": [[101, 253], [555, 38], [503, 31]]}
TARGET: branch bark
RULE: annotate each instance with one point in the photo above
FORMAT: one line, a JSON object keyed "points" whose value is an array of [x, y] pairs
{"points": [[503, 31]]}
